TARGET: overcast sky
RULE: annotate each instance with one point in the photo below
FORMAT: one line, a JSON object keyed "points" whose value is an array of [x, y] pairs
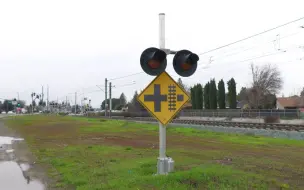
{"points": [[74, 45]]}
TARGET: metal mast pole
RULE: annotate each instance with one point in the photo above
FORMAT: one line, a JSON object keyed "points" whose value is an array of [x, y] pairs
{"points": [[47, 98], [106, 96], [161, 169], [75, 102], [110, 97], [42, 95]]}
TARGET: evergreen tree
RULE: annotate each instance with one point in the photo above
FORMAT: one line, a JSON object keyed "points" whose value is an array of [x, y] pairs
{"points": [[123, 99], [206, 96], [199, 96], [192, 92], [221, 94], [232, 93], [212, 94]]}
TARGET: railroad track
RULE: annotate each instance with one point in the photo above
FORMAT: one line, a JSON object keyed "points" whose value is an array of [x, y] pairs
{"points": [[268, 126]]}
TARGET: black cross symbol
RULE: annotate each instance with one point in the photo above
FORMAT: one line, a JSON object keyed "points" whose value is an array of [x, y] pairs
{"points": [[157, 98]]}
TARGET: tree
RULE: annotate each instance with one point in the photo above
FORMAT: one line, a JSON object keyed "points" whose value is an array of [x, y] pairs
{"points": [[242, 95], [122, 99], [221, 94], [77, 109], [206, 95], [266, 82], [7, 106], [302, 93], [199, 96], [43, 103], [212, 94], [134, 105], [266, 78], [184, 86], [232, 93], [181, 84], [115, 104], [192, 95], [34, 103]]}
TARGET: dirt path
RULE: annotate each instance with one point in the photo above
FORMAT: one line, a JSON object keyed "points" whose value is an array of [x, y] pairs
{"points": [[17, 167]]}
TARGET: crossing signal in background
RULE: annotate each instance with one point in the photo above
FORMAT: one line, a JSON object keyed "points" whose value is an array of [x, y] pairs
{"points": [[185, 63], [153, 61]]}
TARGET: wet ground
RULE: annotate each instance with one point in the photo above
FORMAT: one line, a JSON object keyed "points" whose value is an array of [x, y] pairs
{"points": [[16, 169]]}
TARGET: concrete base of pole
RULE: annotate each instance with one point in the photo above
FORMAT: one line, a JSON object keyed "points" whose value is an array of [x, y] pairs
{"points": [[165, 165]]}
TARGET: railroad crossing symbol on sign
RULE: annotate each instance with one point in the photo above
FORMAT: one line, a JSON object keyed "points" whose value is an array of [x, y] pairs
{"points": [[163, 98]]}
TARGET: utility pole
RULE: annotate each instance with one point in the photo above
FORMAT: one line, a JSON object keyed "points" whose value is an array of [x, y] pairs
{"points": [[75, 102], [32, 102], [47, 100], [66, 103], [110, 97], [42, 95], [106, 91], [18, 95]]}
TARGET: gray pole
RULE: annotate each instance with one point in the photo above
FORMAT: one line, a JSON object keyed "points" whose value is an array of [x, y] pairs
{"points": [[32, 104], [66, 103], [110, 97], [57, 106], [42, 95], [75, 102], [162, 159], [47, 98], [106, 89]]}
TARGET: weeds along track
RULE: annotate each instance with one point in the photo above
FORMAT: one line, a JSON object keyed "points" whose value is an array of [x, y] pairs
{"points": [[268, 126]]}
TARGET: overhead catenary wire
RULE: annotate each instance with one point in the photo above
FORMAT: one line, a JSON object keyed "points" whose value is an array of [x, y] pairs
{"points": [[223, 46], [253, 47], [125, 76], [252, 36]]}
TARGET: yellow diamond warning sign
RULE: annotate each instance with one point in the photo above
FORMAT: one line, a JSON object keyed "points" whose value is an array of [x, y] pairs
{"points": [[163, 98]]}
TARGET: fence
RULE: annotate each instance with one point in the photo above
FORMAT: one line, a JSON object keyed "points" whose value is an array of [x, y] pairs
{"points": [[229, 113], [286, 113]]}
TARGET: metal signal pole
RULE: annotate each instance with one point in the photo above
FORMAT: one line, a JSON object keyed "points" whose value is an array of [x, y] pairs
{"points": [[162, 159]]}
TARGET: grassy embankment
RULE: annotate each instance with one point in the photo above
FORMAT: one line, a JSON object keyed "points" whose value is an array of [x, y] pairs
{"points": [[91, 154]]}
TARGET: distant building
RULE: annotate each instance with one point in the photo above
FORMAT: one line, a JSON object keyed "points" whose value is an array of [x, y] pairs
{"points": [[294, 102]]}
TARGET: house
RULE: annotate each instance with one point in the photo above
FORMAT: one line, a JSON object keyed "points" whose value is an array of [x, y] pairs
{"points": [[293, 102]]}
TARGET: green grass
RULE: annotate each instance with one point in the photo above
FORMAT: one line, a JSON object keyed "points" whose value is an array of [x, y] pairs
{"points": [[91, 154]]}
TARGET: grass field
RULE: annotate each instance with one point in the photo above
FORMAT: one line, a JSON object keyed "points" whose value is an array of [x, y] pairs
{"points": [[91, 154]]}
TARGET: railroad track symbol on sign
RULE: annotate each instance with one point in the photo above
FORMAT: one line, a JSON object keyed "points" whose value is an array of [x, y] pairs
{"points": [[163, 98]]}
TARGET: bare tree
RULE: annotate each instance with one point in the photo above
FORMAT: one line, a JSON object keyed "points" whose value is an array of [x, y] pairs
{"points": [[266, 78], [266, 82]]}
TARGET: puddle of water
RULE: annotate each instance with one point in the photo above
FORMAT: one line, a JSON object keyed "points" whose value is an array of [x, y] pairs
{"points": [[12, 178], [12, 175], [8, 140], [24, 167]]}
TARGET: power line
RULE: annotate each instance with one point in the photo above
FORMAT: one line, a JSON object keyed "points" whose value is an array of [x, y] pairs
{"points": [[253, 47], [258, 57], [125, 76], [252, 36]]}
